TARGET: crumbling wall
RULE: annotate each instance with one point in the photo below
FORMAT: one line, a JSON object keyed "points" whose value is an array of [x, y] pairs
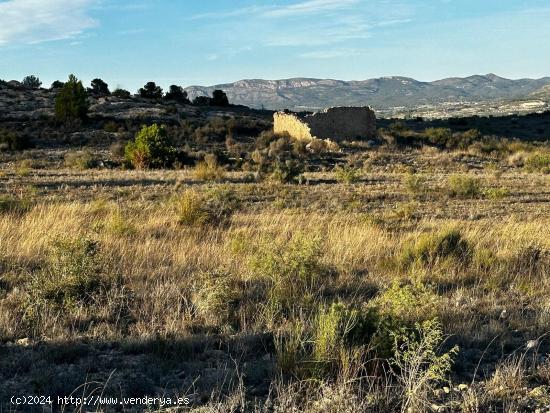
{"points": [[291, 124], [337, 124]]}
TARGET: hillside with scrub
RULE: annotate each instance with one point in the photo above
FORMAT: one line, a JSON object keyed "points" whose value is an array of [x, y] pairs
{"points": [[154, 246]]}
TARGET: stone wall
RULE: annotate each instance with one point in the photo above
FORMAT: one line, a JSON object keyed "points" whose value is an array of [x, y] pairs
{"points": [[337, 124]]}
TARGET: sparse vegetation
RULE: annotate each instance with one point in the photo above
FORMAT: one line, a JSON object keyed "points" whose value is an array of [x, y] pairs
{"points": [[197, 274]]}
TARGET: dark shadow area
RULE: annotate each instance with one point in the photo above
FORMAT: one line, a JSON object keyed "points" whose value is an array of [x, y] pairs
{"points": [[193, 367], [531, 127]]}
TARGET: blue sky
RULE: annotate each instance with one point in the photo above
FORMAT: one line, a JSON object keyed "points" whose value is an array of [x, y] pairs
{"points": [[215, 41]]}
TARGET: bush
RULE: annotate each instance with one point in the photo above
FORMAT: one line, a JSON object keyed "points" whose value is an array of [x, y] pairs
{"points": [[438, 136], [202, 101], [292, 269], [177, 94], [417, 365], [10, 204], [214, 296], [428, 249], [13, 141], [80, 160], [150, 91], [415, 184], [57, 85], [121, 93], [287, 171], [496, 193], [219, 98], [111, 127], [213, 208], [31, 82], [538, 161], [151, 149], [72, 278], [463, 186], [71, 101], [209, 170], [347, 174], [99, 88]]}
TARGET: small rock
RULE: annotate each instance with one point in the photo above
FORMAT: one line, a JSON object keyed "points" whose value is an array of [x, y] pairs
{"points": [[24, 342]]}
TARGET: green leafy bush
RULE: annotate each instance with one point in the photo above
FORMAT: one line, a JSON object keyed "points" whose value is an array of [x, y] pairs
{"points": [[418, 365], [121, 93], [177, 94], [72, 278], [415, 184], [99, 88], [430, 248], [13, 141], [80, 160], [150, 91], [31, 82], [71, 101], [287, 171], [347, 174], [463, 186], [151, 149], [212, 208], [539, 161], [438, 136], [219, 98], [214, 296]]}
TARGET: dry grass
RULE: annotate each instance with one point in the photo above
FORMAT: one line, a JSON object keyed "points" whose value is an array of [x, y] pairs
{"points": [[231, 260]]}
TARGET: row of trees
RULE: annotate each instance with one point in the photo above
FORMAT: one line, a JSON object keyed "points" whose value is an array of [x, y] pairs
{"points": [[149, 91], [72, 98]]}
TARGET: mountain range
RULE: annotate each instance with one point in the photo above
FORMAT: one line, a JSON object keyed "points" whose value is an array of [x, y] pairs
{"points": [[380, 93]]}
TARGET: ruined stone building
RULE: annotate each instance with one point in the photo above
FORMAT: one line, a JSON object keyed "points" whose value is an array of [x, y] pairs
{"points": [[337, 124]]}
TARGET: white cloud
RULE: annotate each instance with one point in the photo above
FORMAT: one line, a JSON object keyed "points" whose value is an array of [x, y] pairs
{"points": [[309, 7], [332, 54], [35, 21]]}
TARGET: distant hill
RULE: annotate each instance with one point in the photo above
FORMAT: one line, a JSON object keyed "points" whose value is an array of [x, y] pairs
{"points": [[381, 93]]}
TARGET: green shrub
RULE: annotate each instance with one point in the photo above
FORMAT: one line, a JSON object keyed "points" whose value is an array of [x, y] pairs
{"points": [[121, 93], [99, 88], [72, 278], [209, 170], [13, 141], [347, 174], [150, 91], [415, 184], [292, 270], [71, 101], [10, 204], [428, 249], [438, 136], [151, 149], [463, 186], [111, 127], [538, 161], [418, 365], [287, 171], [177, 94], [212, 208], [496, 193], [214, 296], [80, 160], [31, 82]]}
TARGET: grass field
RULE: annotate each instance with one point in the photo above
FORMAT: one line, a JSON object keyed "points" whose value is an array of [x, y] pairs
{"points": [[419, 281]]}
